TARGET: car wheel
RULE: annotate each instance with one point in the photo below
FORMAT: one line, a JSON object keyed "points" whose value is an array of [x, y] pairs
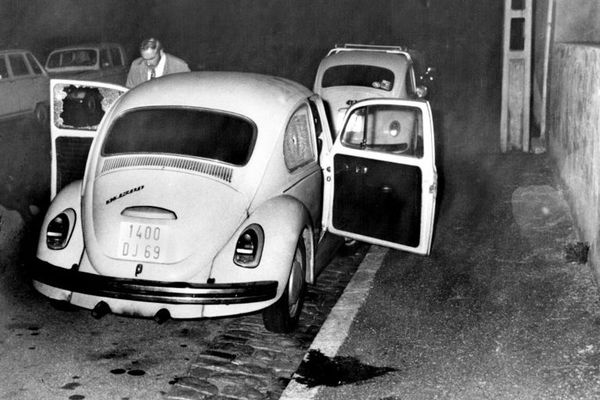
{"points": [[283, 315], [41, 114]]}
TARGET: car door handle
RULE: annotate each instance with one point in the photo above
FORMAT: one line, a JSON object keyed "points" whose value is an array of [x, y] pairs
{"points": [[148, 212]]}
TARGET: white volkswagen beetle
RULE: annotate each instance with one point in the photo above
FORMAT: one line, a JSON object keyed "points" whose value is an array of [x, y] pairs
{"points": [[207, 194]]}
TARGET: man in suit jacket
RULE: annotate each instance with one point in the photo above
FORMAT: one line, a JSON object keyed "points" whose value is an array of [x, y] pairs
{"points": [[153, 63]]}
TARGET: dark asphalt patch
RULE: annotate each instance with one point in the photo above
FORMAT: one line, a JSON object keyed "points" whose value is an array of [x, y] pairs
{"points": [[319, 370]]}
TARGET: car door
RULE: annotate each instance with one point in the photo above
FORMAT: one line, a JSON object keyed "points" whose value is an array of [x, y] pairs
{"points": [[23, 86], [380, 177], [9, 99], [73, 125]]}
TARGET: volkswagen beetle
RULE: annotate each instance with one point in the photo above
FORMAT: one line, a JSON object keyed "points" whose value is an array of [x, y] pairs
{"points": [[353, 72], [208, 194]]}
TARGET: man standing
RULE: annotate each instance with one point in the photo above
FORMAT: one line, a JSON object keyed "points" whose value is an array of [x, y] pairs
{"points": [[153, 63]]}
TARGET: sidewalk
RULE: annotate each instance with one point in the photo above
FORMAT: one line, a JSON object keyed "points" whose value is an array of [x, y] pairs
{"points": [[503, 308]]}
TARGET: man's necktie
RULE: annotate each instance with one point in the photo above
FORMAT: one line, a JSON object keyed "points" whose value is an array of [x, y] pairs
{"points": [[152, 73]]}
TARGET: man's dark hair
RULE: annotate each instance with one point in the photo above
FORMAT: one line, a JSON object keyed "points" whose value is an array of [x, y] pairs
{"points": [[151, 43]]}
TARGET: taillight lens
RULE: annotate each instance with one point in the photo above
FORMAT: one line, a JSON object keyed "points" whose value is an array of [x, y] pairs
{"points": [[59, 230], [248, 248]]}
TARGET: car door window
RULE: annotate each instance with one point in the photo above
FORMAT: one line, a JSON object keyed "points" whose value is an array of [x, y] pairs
{"points": [[3, 68], [104, 59], [298, 144], [115, 54], [33, 64], [18, 66], [386, 129]]}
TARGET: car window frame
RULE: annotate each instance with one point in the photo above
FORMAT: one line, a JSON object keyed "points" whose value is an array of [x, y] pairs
{"points": [[10, 65], [33, 64], [8, 71], [298, 166]]}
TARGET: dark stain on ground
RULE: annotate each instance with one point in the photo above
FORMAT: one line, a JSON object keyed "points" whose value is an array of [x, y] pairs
{"points": [[174, 381], [77, 397], [577, 252], [136, 372], [185, 332], [132, 372], [456, 286], [317, 369], [70, 386], [111, 355], [118, 371]]}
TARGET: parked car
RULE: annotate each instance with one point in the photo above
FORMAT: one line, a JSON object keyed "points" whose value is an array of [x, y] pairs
{"points": [[102, 62], [354, 72], [23, 86], [208, 194]]}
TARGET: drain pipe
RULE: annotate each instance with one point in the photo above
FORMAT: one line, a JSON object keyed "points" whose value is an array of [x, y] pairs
{"points": [[100, 310], [162, 316]]}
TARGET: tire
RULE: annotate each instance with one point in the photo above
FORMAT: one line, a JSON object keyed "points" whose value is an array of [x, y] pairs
{"points": [[282, 316], [41, 114]]}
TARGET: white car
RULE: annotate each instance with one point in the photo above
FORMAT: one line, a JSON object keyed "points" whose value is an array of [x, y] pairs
{"points": [[354, 72], [23, 86], [102, 62], [208, 194]]}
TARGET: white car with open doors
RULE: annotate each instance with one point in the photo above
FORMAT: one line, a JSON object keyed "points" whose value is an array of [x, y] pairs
{"points": [[208, 194]]}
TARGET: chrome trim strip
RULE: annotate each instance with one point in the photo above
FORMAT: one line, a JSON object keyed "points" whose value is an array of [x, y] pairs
{"points": [[221, 172]]}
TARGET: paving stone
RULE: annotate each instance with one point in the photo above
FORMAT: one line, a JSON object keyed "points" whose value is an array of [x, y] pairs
{"points": [[247, 362], [243, 392], [232, 348]]}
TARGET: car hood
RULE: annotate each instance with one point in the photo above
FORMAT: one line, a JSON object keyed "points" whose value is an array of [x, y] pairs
{"points": [[171, 222]]}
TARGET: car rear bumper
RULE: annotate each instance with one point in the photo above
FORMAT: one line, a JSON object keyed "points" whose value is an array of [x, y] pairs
{"points": [[153, 291]]}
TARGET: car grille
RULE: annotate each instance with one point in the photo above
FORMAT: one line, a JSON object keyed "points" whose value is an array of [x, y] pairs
{"points": [[71, 156], [218, 171]]}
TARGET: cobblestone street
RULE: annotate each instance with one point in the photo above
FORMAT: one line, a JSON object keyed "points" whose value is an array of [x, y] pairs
{"points": [[248, 362]]}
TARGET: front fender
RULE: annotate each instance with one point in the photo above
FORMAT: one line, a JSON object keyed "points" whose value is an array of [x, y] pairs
{"points": [[68, 197], [283, 220]]}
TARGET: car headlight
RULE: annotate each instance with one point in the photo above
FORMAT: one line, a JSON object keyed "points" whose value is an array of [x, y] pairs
{"points": [[249, 246], [60, 229]]}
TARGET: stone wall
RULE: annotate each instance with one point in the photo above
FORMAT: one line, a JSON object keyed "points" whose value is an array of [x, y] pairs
{"points": [[573, 134]]}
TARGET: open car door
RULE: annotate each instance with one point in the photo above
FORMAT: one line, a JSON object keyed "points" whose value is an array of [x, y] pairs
{"points": [[77, 107], [380, 178]]}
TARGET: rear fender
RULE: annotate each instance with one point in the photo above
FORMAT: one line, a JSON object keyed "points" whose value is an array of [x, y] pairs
{"points": [[68, 198], [283, 220]]}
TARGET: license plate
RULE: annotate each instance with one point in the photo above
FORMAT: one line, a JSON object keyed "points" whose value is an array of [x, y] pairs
{"points": [[144, 242]]}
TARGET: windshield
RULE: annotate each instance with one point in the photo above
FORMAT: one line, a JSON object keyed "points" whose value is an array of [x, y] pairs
{"points": [[359, 75], [72, 58], [182, 131]]}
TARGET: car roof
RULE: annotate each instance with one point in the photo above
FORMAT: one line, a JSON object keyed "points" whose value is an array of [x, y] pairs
{"points": [[7, 51], [87, 46], [259, 97], [390, 60]]}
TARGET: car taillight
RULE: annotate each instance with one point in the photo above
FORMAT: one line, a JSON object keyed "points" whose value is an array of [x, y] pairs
{"points": [[59, 230], [248, 247]]}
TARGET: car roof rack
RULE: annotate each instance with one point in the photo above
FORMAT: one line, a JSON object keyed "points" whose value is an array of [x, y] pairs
{"points": [[368, 47]]}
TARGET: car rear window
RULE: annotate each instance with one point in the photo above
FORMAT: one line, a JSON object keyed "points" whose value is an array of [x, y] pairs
{"points": [[182, 131], [358, 75]]}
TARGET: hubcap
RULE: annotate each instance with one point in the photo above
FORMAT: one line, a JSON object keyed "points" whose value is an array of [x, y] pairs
{"points": [[295, 284]]}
